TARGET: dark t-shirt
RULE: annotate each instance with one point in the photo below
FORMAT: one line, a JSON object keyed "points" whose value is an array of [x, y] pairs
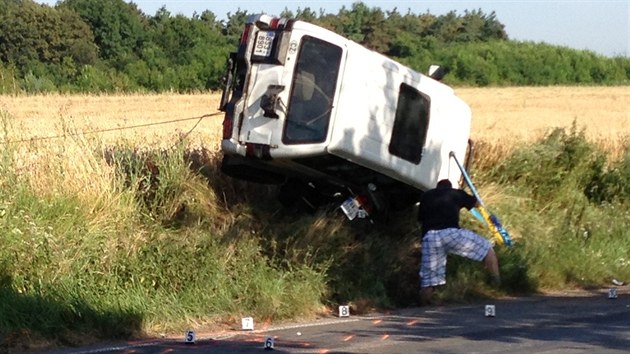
{"points": [[439, 208]]}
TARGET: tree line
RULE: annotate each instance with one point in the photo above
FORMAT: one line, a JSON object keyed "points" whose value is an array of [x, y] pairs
{"points": [[112, 46]]}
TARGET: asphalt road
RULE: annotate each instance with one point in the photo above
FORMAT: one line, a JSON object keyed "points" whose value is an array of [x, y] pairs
{"points": [[571, 322]]}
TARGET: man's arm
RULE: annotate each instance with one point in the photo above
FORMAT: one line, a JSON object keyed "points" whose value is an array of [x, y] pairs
{"points": [[468, 201]]}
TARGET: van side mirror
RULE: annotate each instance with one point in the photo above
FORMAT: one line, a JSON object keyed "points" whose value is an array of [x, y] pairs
{"points": [[436, 72]]}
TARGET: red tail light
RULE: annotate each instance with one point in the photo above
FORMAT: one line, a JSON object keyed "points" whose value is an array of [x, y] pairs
{"points": [[228, 125], [364, 202], [274, 23], [245, 34]]}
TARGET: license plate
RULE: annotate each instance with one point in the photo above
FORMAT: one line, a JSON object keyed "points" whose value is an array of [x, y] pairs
{"points": [[264, 42], [351, 208]]}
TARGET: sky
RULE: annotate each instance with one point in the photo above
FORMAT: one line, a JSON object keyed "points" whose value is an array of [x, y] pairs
{"points": [[602, 26]]}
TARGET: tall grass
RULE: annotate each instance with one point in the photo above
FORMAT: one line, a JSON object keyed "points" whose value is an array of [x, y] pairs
{"points": [[568, 204], [116, 242]]}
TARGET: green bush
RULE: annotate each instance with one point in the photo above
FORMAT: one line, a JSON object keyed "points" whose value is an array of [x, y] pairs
{"points": [[567, 205], [613, 184], [9, 82], [37, 84], [561, 163], [501, 62]]}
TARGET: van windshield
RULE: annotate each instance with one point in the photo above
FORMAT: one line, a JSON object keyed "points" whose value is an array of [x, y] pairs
{"points": [[312, 92]]}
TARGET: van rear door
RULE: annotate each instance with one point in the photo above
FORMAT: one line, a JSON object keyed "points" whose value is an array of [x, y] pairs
{"points": [[284, 106]]}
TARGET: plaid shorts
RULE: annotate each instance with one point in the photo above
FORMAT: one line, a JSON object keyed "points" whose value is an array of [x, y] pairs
{"points": [[437, 244]]}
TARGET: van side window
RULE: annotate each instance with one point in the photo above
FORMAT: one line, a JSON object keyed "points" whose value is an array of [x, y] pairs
{"points": [[410, 125], [312, 92]]}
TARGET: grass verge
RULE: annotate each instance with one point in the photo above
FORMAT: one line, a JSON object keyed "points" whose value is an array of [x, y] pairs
{"points": [[119, 242]]}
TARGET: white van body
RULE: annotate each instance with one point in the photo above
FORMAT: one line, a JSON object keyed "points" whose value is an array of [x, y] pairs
{"points": [[323, 115]]}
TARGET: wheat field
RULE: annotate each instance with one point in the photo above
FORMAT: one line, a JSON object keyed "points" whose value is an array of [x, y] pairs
{"points": [[130, 117], [524, 113], [501, 116]]}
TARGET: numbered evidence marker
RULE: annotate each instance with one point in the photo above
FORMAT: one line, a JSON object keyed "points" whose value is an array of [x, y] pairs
{"points": [[490, 311], [247, 323], [344, 311], [190, 337], [612, 293], [268, 343]]}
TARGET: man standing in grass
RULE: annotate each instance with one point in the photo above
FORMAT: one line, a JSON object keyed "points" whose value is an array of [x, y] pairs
{"points": [[441, 236]]}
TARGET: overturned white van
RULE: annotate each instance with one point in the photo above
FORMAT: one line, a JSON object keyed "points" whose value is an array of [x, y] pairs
{"points": [[329, 119]]}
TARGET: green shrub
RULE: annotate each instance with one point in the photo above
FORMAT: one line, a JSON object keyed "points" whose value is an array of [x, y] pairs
{"points": [[562, 164], [613, 184], [9, 82], [37, 84], [567, 205]]}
